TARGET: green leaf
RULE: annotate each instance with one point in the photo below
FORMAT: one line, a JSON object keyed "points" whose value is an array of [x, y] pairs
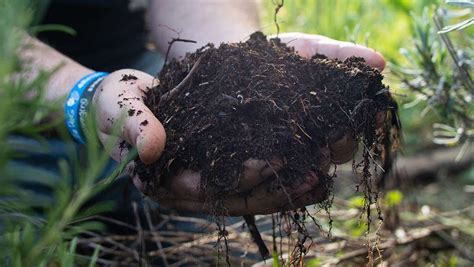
{"points": [[52, 27], [275, 258], [72, 247], [393, 198], [357, 202], [314, 262], [461, 3], [458, 26], [95, 256]]}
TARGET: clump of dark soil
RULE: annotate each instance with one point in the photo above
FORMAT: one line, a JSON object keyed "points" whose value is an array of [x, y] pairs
{"points": [[259, 99]]}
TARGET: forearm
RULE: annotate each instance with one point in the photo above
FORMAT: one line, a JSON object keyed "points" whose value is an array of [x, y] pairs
{"points": [[37, 56], [202, 21]]}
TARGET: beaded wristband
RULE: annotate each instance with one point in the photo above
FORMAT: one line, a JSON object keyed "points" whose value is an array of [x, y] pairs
{"points": [[78, 100]]}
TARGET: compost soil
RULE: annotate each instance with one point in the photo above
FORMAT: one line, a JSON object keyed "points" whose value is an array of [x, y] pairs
{"points": [[260, 99]]}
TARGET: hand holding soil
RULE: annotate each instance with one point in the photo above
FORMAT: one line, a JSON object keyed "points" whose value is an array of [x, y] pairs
{"points": [[254, 126], [119, 99]]}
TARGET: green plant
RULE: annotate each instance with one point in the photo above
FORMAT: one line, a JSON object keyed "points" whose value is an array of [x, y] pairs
{"points": [[380, 24], [439, 74], [463, 24], [36, 229]]}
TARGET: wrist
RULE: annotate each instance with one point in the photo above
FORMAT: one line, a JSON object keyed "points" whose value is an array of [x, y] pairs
{"points": [[77, 103], [64, 79]]}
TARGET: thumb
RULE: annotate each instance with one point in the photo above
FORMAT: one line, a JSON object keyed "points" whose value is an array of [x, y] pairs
{"points": [[123, 98], [143, 130]]}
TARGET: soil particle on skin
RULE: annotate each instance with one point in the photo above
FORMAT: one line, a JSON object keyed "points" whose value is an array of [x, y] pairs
{"points": [[128, 77], [139, 112], [124, 145], [144, 123], [131, 98], [259, 99], [131, 112]]}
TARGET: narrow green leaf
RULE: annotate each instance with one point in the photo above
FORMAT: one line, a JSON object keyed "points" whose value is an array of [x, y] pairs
{"points": [[458, 26], [275, 258], [461, 3], [52, 27], [95, 256]]}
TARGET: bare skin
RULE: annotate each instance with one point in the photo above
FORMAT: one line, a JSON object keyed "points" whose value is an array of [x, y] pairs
{"points": [[207, 21]]}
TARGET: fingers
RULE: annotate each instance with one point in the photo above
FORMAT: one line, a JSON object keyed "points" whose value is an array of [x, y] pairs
{"points": [[264, 199], [308, 45], [343, 149], [324, 159], [380, 119], [186, 186], [119, 150], [257, 171], [120, 100], [317, 195], [343, 50]]}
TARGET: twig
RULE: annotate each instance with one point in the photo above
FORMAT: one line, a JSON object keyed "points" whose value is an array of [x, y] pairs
{"points": [[154, 232], [175, 91], [140, 240], [106, 219], [257, 238], [462, 250], [117, 244], [99, 260], [171, 44], [466, 78]]}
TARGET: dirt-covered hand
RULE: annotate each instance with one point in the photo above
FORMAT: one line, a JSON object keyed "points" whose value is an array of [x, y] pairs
{"points": [[119, 99], [258, 192], [308, 45]]}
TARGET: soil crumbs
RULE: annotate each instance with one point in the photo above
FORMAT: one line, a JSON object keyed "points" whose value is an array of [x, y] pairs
{"points": [[260, 99]]}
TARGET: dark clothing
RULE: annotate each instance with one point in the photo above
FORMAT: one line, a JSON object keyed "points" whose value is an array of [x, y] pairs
{"points": [[109, 34]]}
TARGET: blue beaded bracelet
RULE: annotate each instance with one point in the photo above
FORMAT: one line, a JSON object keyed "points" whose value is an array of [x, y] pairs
{"points": [[78, 100]]}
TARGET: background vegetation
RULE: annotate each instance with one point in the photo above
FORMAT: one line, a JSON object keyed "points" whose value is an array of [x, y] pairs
{"points": [[432, 211]]}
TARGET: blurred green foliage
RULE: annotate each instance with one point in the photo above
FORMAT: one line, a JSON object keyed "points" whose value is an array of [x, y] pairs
{"points": [[384, 25], [393, 198], [38, 229]]}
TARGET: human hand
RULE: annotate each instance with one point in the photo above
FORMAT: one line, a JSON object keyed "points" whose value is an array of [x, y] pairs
{"points": [[308, 45], [120, 95], [253, 195], [117, 96]]}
